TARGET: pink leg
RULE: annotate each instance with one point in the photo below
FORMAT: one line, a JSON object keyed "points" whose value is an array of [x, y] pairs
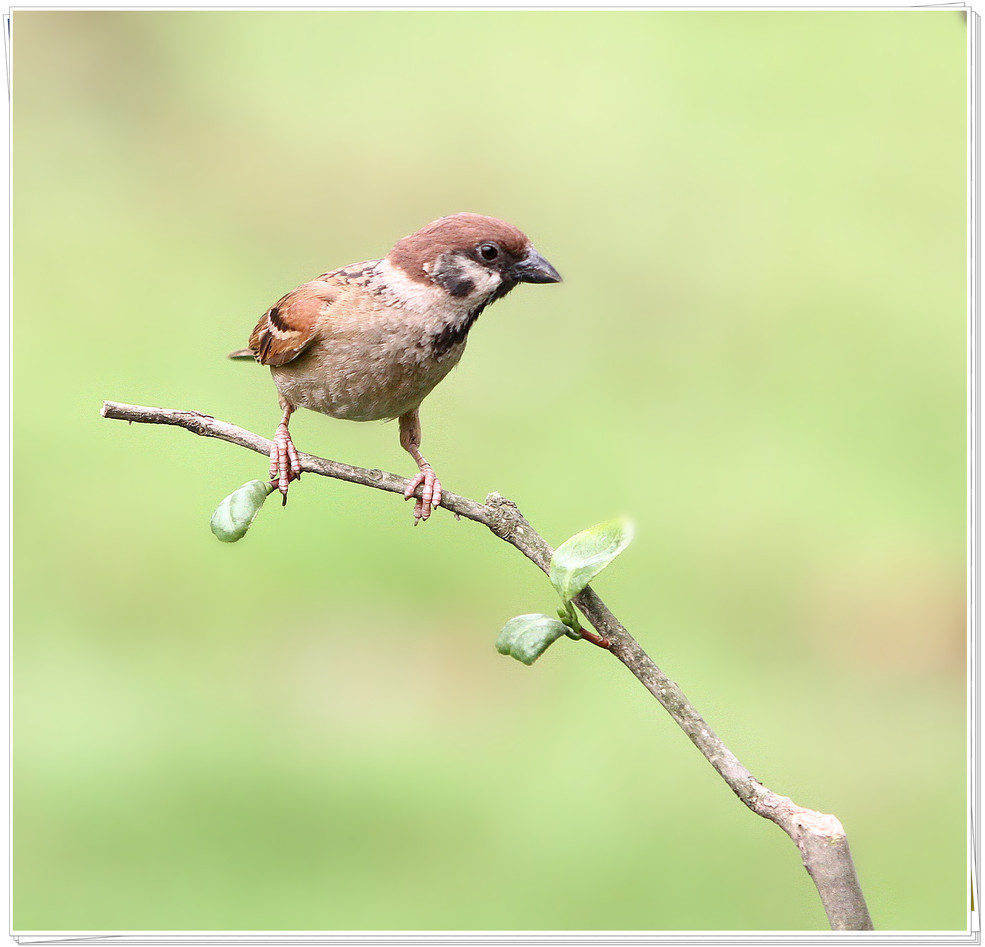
{"points": [[410, 440], [284, 463]]}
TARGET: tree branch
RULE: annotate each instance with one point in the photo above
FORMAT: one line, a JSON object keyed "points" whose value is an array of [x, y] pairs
{"points": [[819, 837]]}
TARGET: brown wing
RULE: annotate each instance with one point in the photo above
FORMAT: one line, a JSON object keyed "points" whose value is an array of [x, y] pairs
{"points": [[288, 327]]}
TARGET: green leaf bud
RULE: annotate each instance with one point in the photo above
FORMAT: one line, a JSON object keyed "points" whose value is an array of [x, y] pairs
{"points": [[236, 513]]}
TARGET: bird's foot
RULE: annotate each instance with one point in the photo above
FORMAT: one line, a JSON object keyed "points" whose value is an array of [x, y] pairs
{"points": [[284, 463], [430, 494]]}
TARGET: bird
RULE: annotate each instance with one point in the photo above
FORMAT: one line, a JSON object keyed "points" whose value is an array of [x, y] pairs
{"points": [[371, 340]]}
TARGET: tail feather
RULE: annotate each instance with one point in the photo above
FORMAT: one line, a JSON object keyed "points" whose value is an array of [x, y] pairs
{"points": [[244, 353]]}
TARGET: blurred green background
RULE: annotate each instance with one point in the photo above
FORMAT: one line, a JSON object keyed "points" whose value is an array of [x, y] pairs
{"points": [[758, 353]]}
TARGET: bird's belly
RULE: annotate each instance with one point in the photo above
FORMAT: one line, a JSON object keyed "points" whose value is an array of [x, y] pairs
{"points": [[361, 386]]}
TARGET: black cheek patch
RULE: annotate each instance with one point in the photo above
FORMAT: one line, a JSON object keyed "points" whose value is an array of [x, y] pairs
{"points": [[452, 277], [460, 286]]}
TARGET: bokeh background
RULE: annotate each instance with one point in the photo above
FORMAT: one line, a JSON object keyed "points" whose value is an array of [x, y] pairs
{"points": [[758, 353]]}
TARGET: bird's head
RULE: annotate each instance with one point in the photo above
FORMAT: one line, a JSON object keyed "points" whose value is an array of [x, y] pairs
{"points": [[474, 259]]}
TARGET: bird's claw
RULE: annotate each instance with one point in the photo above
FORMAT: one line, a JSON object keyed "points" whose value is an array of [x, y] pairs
{"points": [[430, 494], [284, 463]]}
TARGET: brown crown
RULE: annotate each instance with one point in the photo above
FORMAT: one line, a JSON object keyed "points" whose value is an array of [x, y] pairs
{"points": [[457, 232]]}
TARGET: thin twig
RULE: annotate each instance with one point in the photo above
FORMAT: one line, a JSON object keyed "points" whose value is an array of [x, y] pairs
{"points": [[595, 639], [819, 837]]}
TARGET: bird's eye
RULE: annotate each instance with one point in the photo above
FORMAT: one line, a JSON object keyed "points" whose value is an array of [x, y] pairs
{"points": [[488, 251]]}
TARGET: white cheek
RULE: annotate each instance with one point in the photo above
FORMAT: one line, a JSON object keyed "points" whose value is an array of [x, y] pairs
{"points": [[435, 300], [486, 281], [468, 283]]}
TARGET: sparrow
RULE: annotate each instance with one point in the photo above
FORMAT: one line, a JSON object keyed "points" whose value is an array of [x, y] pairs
{"points": [[369, 341]]}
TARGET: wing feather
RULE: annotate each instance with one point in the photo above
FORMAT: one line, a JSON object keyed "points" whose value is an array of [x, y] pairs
{"points": [[296, 320], [288, 327]]}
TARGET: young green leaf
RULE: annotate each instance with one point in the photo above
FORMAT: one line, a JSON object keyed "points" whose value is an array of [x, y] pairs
{"points": [[569, 617], [527, 637], [236, 513], [582, 557]]}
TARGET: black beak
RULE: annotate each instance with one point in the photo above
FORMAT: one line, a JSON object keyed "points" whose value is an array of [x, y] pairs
{"points": [[533, 268]]}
